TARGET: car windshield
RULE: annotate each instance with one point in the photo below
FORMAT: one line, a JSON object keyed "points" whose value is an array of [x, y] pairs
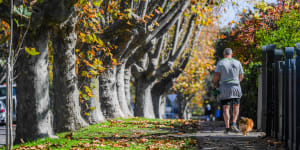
{"points": [[2, 91]]}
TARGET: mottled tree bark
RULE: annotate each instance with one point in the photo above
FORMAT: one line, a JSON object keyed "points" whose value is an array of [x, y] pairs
{"points": [[157, 95], [143, 101], [66, 95], [108, 95], [92, 105], [159, 103], [33, 117], [183, 102], [120, 79], [127, 89]]}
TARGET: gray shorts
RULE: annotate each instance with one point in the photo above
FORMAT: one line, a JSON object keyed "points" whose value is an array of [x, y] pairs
{"points": [[230, 101]]}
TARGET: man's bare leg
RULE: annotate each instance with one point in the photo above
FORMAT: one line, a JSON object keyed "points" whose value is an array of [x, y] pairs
{"points": [[236, 110], [226, 115], [235, 114]]}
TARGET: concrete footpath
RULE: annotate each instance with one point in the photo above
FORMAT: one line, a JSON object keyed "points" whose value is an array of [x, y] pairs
{"points": [[3, 134], [211, 137]]}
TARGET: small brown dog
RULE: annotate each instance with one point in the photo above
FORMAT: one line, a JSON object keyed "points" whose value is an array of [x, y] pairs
{"points": [[245, 125]]}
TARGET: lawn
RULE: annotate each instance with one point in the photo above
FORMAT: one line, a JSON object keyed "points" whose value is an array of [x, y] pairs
{"points": [[133, 133]]}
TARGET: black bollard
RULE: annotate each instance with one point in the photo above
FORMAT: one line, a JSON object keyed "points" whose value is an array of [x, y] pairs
{"points": [[270, 58], [297, 106], [280, 102], [289, 71], [264, 89], [277, 92]]}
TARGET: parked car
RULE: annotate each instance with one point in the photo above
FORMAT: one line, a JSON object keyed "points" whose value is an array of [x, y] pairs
{"points": [[3, 100], [2, 113]]}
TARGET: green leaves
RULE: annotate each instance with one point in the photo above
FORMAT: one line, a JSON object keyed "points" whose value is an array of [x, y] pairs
{"points": [[1, 1], [31, 51], [22, 11], [97, 3]]}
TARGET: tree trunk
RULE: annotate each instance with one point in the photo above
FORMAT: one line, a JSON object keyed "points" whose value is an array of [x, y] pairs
{"points": [[183, 106], [143, 101], [92, 105], [127, 89], [158, 90], [33, 109], [159, 104], [66, 95], [108, 95], [120, 79]]}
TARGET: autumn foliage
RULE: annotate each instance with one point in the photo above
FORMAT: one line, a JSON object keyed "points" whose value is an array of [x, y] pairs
{"points": [[248, 36], [191, 83]]}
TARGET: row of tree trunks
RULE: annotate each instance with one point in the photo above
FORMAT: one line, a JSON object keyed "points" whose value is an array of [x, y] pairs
{"points": [[114, 89]]}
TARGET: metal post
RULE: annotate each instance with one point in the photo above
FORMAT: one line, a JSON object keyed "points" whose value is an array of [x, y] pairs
{"points": [[280, 101], [297, 99], [270, 58], [277, 88], [264, 89], [274, 94], [289, 53]]}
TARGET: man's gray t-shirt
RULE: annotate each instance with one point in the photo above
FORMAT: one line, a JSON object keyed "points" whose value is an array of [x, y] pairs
{"points": [[229, 69]]}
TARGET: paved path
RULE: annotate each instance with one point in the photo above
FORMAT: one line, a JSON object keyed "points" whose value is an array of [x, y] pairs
{"points": [[2, 135], [211, 137]]}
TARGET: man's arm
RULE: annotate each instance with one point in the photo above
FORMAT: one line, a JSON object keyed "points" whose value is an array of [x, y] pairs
{"points": [[241, 77], [216, 79]]}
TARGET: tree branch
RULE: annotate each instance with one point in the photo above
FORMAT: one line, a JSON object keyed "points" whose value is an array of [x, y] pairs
{"points": [[175, 39], [170, 18], [169, 64], [185, 40], [136, 70], [142, 9], [154, 58], [140, 53]]}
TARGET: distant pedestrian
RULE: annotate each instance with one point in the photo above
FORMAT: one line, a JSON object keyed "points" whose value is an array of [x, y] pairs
{"points": [[207, 111], [229, 73], [218, 113]]}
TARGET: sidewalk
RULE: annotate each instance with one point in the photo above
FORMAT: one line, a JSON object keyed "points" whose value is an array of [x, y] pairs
{"points": [[3, 135], [211, 136]]}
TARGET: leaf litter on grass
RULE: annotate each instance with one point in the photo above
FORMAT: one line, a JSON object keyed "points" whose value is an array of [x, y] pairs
{"points": [[133, 133]]}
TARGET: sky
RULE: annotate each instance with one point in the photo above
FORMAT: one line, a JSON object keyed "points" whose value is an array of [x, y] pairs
{"points": [[233, 10]]}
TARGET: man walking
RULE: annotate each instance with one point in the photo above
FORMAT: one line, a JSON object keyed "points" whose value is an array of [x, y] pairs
{"points": [[229, 73]]}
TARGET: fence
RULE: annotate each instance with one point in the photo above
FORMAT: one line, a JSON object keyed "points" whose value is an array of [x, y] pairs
{"points": [[281, 94]]}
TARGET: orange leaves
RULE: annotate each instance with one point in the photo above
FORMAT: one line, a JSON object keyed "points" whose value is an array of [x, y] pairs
{"points": [[222, 36], [87, 63], [4, 31], [147, 17], [101, 11]]}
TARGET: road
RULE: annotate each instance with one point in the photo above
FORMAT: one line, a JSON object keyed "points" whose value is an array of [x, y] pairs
{"points": [[2, 135]]}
